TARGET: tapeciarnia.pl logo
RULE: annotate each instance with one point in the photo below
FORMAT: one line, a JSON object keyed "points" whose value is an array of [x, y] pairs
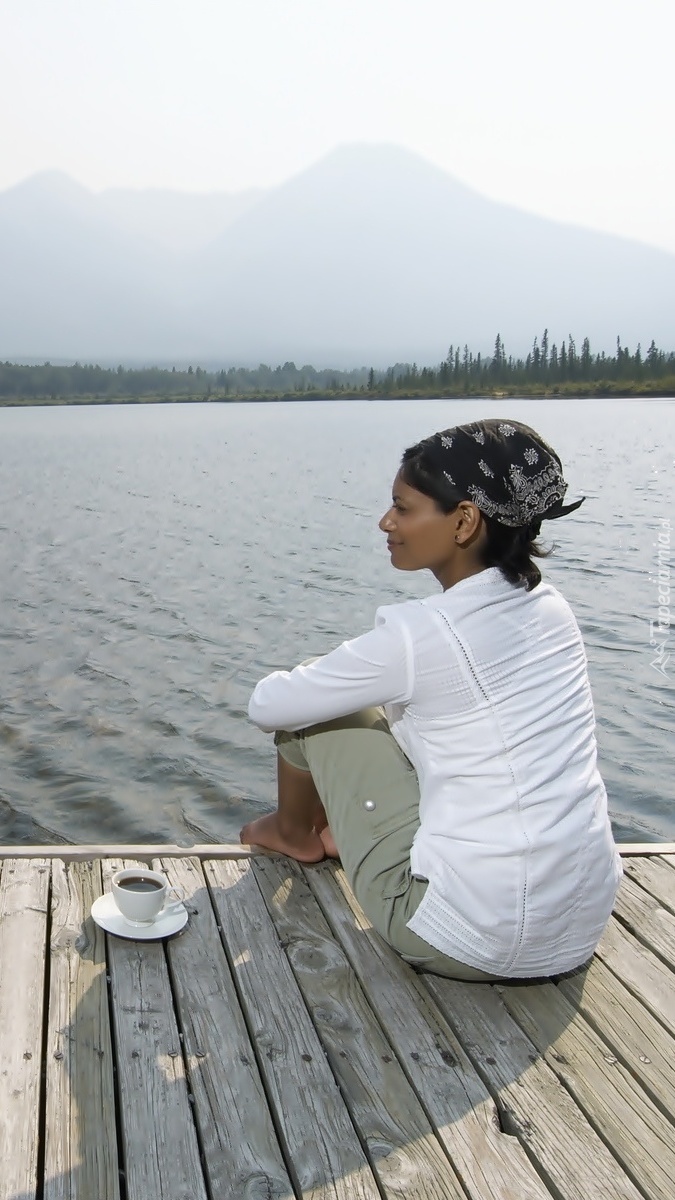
{"points": [[659, 628]]}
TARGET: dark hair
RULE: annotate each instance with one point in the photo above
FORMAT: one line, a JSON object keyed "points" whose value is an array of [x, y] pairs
{"points": [[512, 550]]}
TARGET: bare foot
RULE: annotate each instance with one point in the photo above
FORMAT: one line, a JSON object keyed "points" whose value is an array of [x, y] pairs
{"points": [[328, 842], [265, 832]]}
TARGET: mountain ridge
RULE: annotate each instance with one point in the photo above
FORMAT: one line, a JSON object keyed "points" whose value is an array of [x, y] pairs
{"points": [[371, 255]]}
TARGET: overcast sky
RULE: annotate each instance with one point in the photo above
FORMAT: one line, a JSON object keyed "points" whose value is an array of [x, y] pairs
{"points": [[566, 110]]}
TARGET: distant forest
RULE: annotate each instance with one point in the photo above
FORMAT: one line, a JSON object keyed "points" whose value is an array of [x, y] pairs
{"points": [[547, 370]]}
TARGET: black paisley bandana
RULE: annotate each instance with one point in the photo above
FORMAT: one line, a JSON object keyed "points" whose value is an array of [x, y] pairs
{"points": [[506, 469]]}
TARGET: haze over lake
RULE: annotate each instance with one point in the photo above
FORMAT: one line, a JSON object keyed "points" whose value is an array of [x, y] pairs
{"points": [[155, 561]]}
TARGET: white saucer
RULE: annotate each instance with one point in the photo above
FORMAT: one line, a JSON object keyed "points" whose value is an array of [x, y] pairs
{"points": [[106, 914]]}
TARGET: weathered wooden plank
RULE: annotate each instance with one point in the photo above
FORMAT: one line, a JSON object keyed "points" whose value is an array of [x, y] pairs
{"points": [[489, 1162], [80, 1132], [668, 858], [491, 1165], [24, 891], [655, 876], [631, 1032], [144, 853], [649, 979], [321, 1146], [640, 1136], [95, 850], [161, 1153], [403, 1150], [533, 1103], [633, 848], [242, 1157], [647, 920]]}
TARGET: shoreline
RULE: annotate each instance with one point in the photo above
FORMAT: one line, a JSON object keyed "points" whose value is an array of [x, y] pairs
{"points": [[590, 391]]}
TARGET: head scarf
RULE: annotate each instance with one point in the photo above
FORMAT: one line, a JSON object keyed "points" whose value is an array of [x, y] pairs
{"points": [[505, 468]]}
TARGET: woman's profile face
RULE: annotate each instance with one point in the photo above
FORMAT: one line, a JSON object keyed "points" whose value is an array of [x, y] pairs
{"points": [[419, 534]]}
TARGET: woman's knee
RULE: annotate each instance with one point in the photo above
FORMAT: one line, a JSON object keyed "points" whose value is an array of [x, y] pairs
{"points": [[290, 748]]}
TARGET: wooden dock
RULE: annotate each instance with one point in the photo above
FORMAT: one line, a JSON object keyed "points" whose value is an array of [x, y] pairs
{"points": [[277, 1049]]}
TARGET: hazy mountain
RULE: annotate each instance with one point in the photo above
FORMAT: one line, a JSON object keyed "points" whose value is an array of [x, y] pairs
{"points": [[374, 254], [74, 285], [370, 256], [180, 222]]}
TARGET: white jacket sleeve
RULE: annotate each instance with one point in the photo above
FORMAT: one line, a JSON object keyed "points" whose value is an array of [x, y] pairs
{"points": [[373, 669]]}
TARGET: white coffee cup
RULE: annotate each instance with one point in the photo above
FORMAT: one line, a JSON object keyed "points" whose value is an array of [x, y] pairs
{"points": [[141, 895]]}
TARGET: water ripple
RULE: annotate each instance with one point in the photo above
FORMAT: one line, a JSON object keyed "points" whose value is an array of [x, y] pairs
{"points": [[156, 561]]}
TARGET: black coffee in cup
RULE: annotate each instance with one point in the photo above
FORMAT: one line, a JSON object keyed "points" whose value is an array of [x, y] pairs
{"points": [[141, 895], [139, 883]]}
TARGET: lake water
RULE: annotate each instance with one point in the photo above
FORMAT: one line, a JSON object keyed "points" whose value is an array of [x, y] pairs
{"points": [[156, 561]]}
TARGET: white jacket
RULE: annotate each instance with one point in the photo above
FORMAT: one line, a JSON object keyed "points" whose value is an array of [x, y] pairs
{"points": [[486, 690]]}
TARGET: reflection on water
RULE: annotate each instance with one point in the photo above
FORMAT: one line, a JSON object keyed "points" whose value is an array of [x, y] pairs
{"points": [[155, 561]]}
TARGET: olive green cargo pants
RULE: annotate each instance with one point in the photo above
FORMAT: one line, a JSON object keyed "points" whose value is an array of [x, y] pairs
{"points": [[370, 793]]}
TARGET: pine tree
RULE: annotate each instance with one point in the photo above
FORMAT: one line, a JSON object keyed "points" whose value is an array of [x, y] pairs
{"points": [[571, 357]]}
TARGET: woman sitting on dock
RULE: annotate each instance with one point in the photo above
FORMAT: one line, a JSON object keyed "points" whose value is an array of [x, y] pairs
{"points": [[448, 756]]}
